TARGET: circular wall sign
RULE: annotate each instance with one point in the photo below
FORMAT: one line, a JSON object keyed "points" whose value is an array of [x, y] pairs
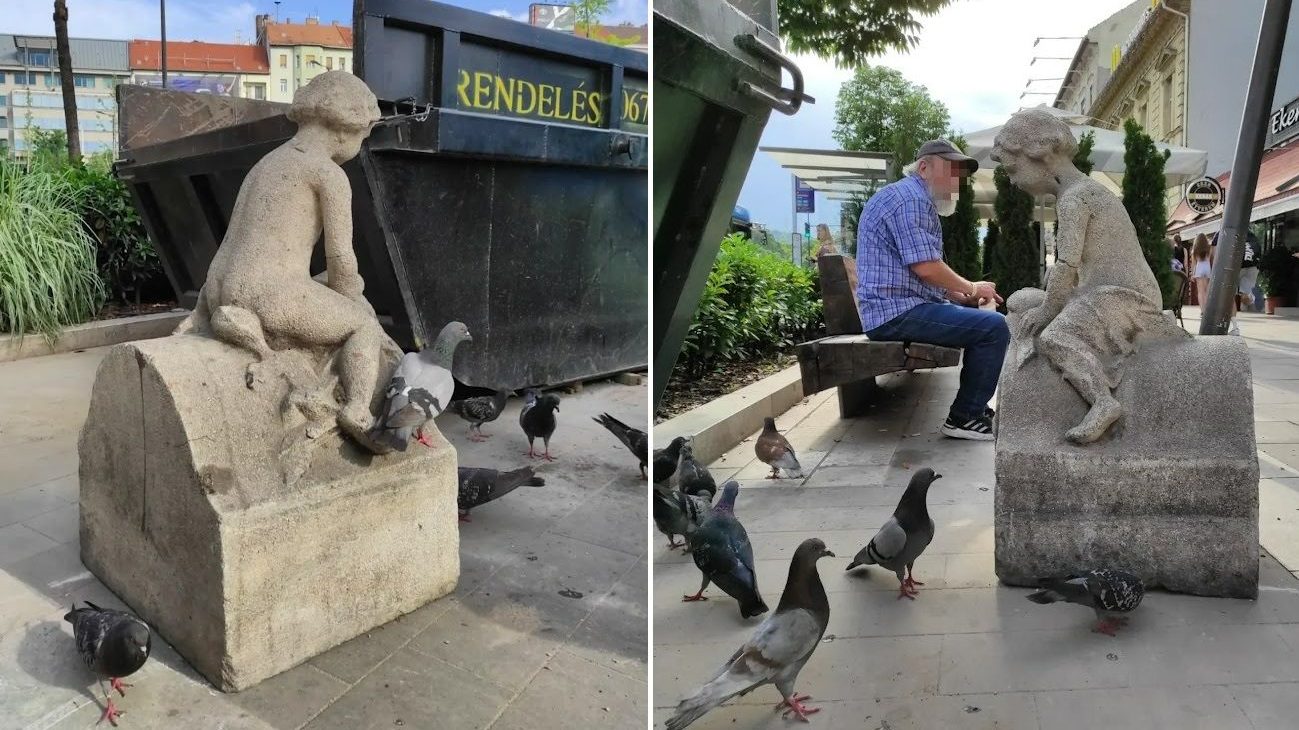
{"points": [[1203, 195]]}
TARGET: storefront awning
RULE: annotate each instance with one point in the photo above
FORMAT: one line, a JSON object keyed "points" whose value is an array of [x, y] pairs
{"points": [[1277, 192]]}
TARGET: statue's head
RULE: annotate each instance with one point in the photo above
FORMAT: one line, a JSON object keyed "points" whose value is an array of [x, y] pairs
{"points": [[1031, 146], [341, 104]]}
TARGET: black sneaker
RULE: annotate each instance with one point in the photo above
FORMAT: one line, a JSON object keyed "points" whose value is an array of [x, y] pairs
{"points": [[978, 428]]}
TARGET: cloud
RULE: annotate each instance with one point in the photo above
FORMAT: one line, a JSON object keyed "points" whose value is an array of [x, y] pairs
{"points": [[522, 17]]}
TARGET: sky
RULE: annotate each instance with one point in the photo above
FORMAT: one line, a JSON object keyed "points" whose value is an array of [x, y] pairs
{"points": [[973, 56], [225, 21]]}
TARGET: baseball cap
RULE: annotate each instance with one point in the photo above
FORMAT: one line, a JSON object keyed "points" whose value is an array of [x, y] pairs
{"points": [[948, 151]]}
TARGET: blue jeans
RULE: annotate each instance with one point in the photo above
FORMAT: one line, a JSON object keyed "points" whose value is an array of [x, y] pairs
{"points": [[982, 334]]}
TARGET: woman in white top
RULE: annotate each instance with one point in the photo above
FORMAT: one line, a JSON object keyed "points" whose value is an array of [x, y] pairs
{"points": [[1202, 255]]}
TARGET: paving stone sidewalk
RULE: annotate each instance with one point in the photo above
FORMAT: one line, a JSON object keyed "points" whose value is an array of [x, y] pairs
{"points": [[969, 653], [506, 650]]}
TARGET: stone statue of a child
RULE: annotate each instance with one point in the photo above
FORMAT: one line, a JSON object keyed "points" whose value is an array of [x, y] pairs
{"points": [[259, 293], [1100, 294]]}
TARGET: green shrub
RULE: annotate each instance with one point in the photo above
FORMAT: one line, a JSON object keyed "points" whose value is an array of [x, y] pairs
{"points": [[753, 304], [1143, 196], [1276, 272], [125, 256], [1016, 264], [48, 278]]}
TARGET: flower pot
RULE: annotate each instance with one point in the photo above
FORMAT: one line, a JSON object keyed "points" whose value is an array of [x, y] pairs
{"points": [[1271, 303]]}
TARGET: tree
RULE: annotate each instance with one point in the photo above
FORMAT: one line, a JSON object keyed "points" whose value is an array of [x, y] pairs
{"points": [[850, 31], [961, 231], [880, 111], [1016, 264], [1082, 159], [587, 13], [1143, 196], [65, 78], [990, 250]]}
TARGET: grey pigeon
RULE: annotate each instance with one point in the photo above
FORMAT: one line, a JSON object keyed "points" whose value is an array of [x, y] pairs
{"points": [[778, 649], [1107, 592], [665, 460], [677, 513], [721, 549], [633, 438], [692, 477], [479, 410], [420, 389], [479, 486], [113, 644], [538, 420], [905, 536], [774, 450]]}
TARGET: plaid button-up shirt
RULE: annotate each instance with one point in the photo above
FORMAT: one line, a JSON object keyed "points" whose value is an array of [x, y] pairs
{"points": [[898, 227]]}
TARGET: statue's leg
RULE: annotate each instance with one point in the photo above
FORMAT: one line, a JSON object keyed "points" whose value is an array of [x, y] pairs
{"points": [[1084, 371], [358, 367]]}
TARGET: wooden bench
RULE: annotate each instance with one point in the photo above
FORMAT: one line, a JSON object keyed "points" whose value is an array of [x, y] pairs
{"points": [[849, 360]]}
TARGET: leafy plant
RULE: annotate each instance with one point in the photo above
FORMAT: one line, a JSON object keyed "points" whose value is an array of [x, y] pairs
{"points": [[1276, 272], [125, 256], [48, 278], [850, 31], [587, 13], [1143, 196], [961, 231], [1016, 264], [754, 303]]}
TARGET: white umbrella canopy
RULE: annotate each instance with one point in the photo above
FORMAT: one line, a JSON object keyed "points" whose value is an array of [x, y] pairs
{"points": [[1183, 164]]}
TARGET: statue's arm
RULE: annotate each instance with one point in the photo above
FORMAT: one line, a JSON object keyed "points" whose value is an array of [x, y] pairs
{"points": [[1070, 233], [336, 210]]}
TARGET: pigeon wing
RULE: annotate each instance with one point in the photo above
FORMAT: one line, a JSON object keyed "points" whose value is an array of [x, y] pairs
{"points": [[889, 543]]}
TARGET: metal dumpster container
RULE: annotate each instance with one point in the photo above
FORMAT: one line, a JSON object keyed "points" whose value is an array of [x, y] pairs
{"points": [[508, 191], [717, 78]]}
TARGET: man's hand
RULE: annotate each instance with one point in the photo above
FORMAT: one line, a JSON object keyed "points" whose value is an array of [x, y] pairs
{"points": [[986, 291]]}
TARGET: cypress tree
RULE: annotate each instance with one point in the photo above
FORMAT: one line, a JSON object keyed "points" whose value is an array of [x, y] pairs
{"points": [[990, 250], [1143, 196], [1016, 264], [961, 234]]}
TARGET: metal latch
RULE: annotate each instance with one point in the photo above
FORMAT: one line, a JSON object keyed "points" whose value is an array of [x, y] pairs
{"points": [[785, 101]]}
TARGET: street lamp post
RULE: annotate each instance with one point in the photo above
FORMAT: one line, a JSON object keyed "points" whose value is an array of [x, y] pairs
{"points": [[162, 9], [1221, 306]]}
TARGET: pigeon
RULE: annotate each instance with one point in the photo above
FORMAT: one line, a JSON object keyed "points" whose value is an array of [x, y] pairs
{"points": [[479, 410], [480, 486], [905, 536], [774, 450], [722, 552], [419, 390], [778, 649], [538, 420], [692, 477], [665, 460], [1107, 592], [113, 644], [677, 513], [633, 438]]}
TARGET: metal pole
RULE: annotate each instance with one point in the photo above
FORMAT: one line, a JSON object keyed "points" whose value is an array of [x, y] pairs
{"points": [[162, 7], [793, 226], [1220, 308]]}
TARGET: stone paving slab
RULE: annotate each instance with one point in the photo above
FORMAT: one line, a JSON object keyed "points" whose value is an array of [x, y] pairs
{"points": [[504, 651], [970, 653]]}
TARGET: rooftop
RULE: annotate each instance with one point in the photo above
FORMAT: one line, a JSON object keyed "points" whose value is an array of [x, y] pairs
{"points": [[198, 56]]}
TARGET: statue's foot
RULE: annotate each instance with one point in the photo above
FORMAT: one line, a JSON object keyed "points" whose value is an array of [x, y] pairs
{"points": [[355, 421], [1103, 414]]}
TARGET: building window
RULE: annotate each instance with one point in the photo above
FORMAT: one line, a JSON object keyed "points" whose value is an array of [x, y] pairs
{"points": [[4, 122], [1168, 104], [311, 59], [4, 101], [24, 78], [342, 64], [329, 63], [255, 91], [1141, 116], [284, 86], [83, 81], [39, 58], [2, 77], [284, 60]]}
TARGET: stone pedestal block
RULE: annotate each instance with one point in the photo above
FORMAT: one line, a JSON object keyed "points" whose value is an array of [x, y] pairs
{"points": [[1169, 494], [187, 516]]}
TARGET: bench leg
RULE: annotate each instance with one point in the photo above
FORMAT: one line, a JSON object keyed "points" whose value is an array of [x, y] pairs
{"points": [[855, 398]]}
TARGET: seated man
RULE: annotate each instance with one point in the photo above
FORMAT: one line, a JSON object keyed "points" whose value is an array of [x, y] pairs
{"points": [[905, 292]]}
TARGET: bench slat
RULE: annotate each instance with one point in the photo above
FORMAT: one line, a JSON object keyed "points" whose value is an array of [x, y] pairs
{"points": [[841, 359]]}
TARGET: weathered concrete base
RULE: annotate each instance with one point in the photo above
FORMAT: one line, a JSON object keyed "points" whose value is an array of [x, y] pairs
{"points": [[186, 516], [1170, 494]]}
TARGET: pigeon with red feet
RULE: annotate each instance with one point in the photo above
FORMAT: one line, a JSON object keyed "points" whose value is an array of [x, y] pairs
{"points": [[678, 513], [721, 549], [480, 486], [1107, 592], [904, 537], [479, 410], [538, 420], [421, 388], [114, 644], [773, 449], [778, 649]]}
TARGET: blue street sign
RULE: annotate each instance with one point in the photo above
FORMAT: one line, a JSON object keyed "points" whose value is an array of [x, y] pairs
{"points": [[804, 197]]}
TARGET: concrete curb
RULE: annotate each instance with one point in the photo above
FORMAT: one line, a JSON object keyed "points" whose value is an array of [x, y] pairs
{"points": [[719, 425], [91, 334]]}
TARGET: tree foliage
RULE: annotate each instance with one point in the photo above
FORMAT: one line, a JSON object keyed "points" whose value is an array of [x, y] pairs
{"points": [[961, 231], [1016, 264], [850, 31], [1143, 196], [1082, 159], [586, 13]]}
